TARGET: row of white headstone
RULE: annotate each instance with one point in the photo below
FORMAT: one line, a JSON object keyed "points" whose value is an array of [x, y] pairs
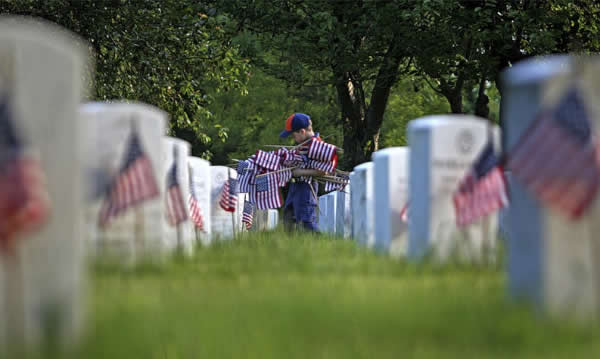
{"points": [[81, 148], [551, 260], [144, 229], [442, 149]]}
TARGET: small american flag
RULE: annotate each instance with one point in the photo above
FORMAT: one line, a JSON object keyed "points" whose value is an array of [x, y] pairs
{"points": [[248, 214], [229, 195], [245, 175], [266, 193], [23, 198], [321, 151], [268, 160], [482, 191], [176, 211], [557, 158], [132, 185], [195, 210]]}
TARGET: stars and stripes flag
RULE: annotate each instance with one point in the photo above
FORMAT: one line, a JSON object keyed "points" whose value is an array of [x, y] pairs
{"points": [[321, 151], [268, 160], [23, 197], [248, 214], [266, 194], [176, 207], [557, 157], [132, 185], [483, 190], [229, 195], [195, 210], [245, 172]]}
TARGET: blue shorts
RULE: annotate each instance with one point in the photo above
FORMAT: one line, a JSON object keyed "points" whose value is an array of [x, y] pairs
{"points": [[301, 205]]}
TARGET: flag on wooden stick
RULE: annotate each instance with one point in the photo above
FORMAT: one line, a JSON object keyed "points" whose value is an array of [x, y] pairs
{"points": [[248, 214], [195, 210], [132, 185], [176, 211], [229, 195], [483, 190]]}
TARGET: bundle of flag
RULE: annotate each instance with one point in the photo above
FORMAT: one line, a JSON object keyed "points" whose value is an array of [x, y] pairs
{"points": [[132, 185], [483, 190], [263, 173], [195, 211], [229, 195], [248, 214], [557, 157], [176, 211], [23, 197]]}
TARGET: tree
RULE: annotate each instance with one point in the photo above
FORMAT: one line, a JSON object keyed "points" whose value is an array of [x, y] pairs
{"points": [[168, 53], [358, 47]]}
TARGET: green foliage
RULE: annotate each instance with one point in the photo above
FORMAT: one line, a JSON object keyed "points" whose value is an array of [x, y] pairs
{"points": [[172, 54], [257, 118]]}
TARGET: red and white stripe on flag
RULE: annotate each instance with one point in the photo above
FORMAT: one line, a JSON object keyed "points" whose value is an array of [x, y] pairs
{"points": [[269, 199], [322, 166], [132, 186], [321, 151], [176, 211], [561, 172], [196, 213], [227, 200], [23, 198], [268, 160], [479, 198]]}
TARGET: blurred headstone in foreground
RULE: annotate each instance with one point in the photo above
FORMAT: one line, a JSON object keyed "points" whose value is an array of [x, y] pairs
{"points": [[550, 115], [41, 199]]}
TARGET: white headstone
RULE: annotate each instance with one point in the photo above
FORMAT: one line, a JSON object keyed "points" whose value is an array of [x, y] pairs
{"points": [[272, 219], [551, 260], [180, 236], [322, 209], [223, 223], [442, 150], [391, 195], [343, 222], [201, 187], [137, 231], [41, 73], [361, 196], [331, 208]]}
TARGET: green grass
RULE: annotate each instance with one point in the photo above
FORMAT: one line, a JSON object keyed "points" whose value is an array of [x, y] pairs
{"points": [[279, 296]]}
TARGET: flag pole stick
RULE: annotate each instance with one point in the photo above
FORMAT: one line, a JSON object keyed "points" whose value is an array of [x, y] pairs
{"points": [[233, 231]]}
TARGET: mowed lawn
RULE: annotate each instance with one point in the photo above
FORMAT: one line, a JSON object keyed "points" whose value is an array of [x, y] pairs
{"points": [[279, 296]]}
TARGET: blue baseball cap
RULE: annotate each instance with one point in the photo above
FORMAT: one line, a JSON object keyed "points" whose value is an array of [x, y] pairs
{"points": [[295, 122]]}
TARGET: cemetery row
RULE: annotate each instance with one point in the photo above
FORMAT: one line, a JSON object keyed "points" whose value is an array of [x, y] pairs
{"points": [[106, 173]]}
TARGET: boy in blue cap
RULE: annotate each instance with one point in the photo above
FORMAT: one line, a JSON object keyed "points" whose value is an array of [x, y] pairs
{"points": [[301, 203]]}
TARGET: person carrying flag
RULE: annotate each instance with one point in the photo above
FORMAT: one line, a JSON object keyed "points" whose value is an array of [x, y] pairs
{"points": [[300, 205]]}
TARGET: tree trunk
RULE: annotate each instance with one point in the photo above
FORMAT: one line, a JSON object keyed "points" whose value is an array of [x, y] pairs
{"points": [[481, 104], [362, 122]]}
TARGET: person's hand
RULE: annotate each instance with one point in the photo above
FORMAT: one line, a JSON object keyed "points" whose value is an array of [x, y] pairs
{"points": [[298, 172]]}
